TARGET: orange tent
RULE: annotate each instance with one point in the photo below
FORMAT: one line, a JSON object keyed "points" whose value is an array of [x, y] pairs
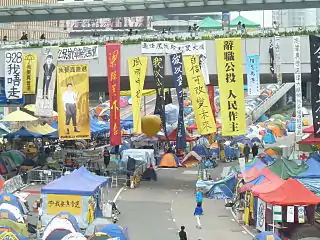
{"points": [[169, 160], [275, 130]]}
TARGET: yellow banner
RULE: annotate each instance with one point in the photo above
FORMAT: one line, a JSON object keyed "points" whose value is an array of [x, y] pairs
{"points": [[230, 79], [137, 75], [73, 101], [64, 203], [199, 96], [29, 72]]}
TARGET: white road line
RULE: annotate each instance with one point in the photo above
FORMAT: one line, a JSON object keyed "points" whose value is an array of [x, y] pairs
{"points": [[118, 194]]}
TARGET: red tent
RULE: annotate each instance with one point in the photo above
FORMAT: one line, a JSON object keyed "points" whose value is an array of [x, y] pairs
{"points": [[194, 126], [308, 129], [311, 139], [173, 137], [290, 193]]}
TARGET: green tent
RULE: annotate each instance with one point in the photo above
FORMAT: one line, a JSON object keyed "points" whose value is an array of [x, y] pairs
{"points": [[248, 23], [16, 156], [286, 168], [209, 23]]}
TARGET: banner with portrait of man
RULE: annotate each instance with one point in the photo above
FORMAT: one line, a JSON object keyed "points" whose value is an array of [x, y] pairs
{"points": [[46, 82], [73, 101]]}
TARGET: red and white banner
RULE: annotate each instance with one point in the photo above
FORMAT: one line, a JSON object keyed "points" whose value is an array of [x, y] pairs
{"points": [[113, 66], [211, 99]]}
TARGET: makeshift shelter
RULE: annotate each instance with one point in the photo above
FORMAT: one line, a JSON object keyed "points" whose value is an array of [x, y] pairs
{"points": [[223, 189], [14, 201], [140, 155], [77, 191], [208, 23], [23, 133], [74, 236], [113, 231], [98, 222], [269, 138], [19, 228], [311, 139], [291, 126], [172, 137], [18, 116], [6, 214], [201, 150], [308, 129], [285, 168], [248, 23], [169, 160], [16, 156], [267, 236], [60, 225], [41, 129], [290, 193], [14, 213], [273, 151], [7, 234], [192, 159]]}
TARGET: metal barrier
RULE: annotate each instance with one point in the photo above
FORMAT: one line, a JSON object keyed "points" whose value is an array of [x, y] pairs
{"points": [[43, 176]]}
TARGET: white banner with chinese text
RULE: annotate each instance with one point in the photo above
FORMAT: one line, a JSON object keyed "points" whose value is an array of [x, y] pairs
{"points": [[253, 75], [13, 74], [277, 59], [191, 48], [297, 81], [78, 53]]}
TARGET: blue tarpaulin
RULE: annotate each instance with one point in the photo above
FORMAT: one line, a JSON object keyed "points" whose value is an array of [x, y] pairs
{"points": [[266, 235], [313, 170], [23, 133]]}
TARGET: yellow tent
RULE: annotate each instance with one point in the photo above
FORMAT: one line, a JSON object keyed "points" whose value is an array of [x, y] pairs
{"points": [[32, 108], [18, 116], [41, 129]]}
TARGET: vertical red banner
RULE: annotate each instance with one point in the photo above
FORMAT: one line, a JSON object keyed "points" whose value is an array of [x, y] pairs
{"points": [[113, 66], [211, 99]]}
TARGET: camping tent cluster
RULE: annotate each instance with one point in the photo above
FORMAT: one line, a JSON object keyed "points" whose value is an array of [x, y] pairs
{"points": [[10, 160]]}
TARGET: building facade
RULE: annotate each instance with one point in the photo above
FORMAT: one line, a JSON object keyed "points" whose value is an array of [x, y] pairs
{"points": [[13, 31]]}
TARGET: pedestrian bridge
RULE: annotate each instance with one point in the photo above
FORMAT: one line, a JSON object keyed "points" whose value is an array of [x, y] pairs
{"points": [[127, 8]]}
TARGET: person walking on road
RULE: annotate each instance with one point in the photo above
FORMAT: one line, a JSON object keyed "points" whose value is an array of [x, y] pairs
{"points": [[199, 196], [106, 157], [246, 152], [183, 234], [255, 150], [197, 213]]}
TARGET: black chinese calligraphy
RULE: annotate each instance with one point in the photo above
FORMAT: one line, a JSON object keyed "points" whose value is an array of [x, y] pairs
{"points": [[77, 53], [28, 59], [13, 75]]}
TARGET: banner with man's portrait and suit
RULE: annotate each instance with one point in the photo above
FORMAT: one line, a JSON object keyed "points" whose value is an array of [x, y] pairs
{"points": [[46, 82], [73, 101]]}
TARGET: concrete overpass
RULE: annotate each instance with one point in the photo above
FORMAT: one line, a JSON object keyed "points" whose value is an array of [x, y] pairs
{"points": [[98, 72], [126, 8]]}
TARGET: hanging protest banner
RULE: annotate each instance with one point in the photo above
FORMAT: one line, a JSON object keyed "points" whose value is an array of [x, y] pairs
{"points": [[230, 78], [211, 99], [73, 102], [191, 48], [113, 66], [290, 214], [315, 82], [301, 214], [297, 84], [3, 98], [253, 75], [13, 74], [277, 59], [30, 67], [46, 82], [176, 65], [78, 53], [261, 215], [137, 74], [58, 203], [199, 96]]}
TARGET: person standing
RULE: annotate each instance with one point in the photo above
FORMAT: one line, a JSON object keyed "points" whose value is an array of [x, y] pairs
{"points": [[197, 213], [48, 69], [255, 150], [106, 157], [183, 234], [246, 152], [199, 196], [69, 99]]}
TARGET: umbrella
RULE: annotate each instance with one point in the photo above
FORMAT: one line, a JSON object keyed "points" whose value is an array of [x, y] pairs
{"points": [[32, 108], [18, 116]]}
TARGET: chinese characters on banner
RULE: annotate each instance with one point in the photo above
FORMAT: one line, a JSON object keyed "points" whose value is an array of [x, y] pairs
{"points": [[192, 48], [253, 75], [137, 74], [113, 66], [176, 65], [64, 203], [230, 77], [46, 82], [211, 99], [13, 74], [277, 59], [315, 89], [78, 53], [158, 64], [73, 101], [30, 65], [297, 80], [199, 96]]}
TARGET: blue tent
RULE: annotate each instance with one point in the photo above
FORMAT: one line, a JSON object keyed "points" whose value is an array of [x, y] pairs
{"points": [[223, 189], [269, 138], [6, 214], [291, 126], [265, 235], [13, 200], [54, 124], [266, 158], [201, 150], [114, 231], [23, 133], [127, 123], [263, 118], [313, 170], [79, 182]]}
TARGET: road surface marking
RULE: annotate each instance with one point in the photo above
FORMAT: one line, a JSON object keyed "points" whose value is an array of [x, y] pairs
{"points": [[190, 172], [118, 194]]}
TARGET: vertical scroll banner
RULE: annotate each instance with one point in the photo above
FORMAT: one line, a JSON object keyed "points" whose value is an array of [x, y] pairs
{"points": [[158, 64], [13, 74], [199, 96], [46, 82], [297, 84], [137, 75], [30, 65], [73, 101], [211, 99], [113, 66], [277, 59], [230, 77], [315, 90], [253, 75], [176, 65]]}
